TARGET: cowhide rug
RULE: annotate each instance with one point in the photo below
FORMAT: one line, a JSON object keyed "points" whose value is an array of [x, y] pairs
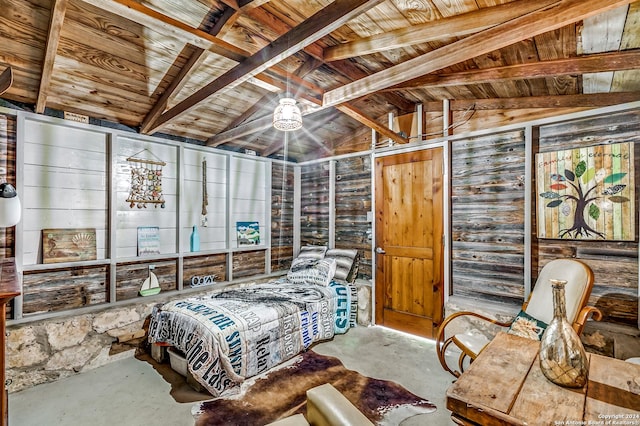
{"points": [[281, 392]]}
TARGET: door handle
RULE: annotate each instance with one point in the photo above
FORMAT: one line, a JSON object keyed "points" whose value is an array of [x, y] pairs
{"points": [[380, 250]]}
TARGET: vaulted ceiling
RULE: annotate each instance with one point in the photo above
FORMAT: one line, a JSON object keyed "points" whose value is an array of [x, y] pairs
{"points": [[213, 70]]}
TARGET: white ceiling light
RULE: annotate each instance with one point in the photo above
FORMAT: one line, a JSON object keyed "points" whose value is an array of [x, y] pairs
{"points": [[287, 116]]}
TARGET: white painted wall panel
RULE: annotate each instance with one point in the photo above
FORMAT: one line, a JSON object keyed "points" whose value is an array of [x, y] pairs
{"points": [[64, 184], [128, 219], [212, 237], [49, 134], [67, 178], [128, 242], [248, 195]]}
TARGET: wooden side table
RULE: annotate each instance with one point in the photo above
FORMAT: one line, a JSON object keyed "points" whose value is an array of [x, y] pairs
{"points": [[505, 386], [9, 288]]}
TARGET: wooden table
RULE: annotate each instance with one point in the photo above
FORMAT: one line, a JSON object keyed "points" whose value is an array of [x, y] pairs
{"points": [[505, 386]]}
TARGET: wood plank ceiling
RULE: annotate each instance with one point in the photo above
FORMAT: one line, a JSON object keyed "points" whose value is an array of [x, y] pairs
{"points": [[213, 70]]}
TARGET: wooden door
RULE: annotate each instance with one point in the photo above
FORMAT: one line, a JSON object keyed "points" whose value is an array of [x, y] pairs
{"points": [[409, 241]]}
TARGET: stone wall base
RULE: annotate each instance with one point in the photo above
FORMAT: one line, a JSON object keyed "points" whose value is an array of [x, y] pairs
{"points": [[48, 350]]}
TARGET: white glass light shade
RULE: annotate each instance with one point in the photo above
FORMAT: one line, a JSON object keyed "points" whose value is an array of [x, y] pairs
{"points": [[287, 116], [10, 208]]}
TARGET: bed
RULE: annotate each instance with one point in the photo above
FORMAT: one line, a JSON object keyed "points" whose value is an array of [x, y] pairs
{"points": [[238, 333]]}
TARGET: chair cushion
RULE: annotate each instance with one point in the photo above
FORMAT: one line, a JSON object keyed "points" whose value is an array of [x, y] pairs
{"points": [[471, 344], [540, 304], [524, 325]]}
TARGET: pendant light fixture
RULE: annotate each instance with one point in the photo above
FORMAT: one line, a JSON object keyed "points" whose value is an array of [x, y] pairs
{"points": [[287, 116]]}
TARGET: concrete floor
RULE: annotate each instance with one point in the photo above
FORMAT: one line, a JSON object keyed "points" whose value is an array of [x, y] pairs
{"points": [[131, 393]]}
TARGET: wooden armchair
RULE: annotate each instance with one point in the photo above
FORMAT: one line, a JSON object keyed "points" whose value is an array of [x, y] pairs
{"points": [[579, 279]]}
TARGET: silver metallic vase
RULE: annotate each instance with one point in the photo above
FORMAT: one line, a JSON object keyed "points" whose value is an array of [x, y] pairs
{"points": [[563, 359]]}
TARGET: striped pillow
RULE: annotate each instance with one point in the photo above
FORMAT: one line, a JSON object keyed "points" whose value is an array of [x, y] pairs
{"points": [[346, 265], [312, 252]]}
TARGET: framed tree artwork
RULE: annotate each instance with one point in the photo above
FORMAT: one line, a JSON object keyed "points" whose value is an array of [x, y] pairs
{"points": [[586, 193]]}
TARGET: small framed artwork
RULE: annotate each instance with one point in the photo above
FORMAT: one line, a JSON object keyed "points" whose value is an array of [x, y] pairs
{"points": [[248, 233], [148, 240], [586, 193], [68, 245]]}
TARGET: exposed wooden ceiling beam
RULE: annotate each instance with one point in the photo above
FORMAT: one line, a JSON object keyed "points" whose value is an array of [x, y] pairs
{"points": [[248, 128], [193, 36], [318, 121], [593, 100], [454, 26], [562, 13], [348, 68], [244, 5], [204, 40], [197, 38], [265, 123], [343, 145], [238, 9], [58, 10], [615, 61], [195, 60], [358, 115], [316, 51], [147, 17], [317, 26], [267, 99], [261, 124]]}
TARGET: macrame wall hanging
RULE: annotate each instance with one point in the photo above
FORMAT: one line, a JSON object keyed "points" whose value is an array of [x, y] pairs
{"points": [[146, 181]]}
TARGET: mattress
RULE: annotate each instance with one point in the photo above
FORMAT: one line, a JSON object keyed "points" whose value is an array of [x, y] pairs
{"points": [[238, 333]]}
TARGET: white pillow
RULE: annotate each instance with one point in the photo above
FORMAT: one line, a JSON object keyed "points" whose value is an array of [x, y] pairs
{"points": [[304, 271]]}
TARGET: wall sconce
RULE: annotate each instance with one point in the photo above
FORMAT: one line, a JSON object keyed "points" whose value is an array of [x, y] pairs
{"points": [[287, 116], [10, 208]]}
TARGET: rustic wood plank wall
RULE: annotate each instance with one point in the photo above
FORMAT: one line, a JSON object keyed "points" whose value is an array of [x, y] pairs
{"points": [[487, 223], [483, 117], [199, 266], [282, 195], [614, 263], [131, 275], [487, 226], [7, 174], [64, 288], [248, 263], [314, 209], [353, 201]]}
